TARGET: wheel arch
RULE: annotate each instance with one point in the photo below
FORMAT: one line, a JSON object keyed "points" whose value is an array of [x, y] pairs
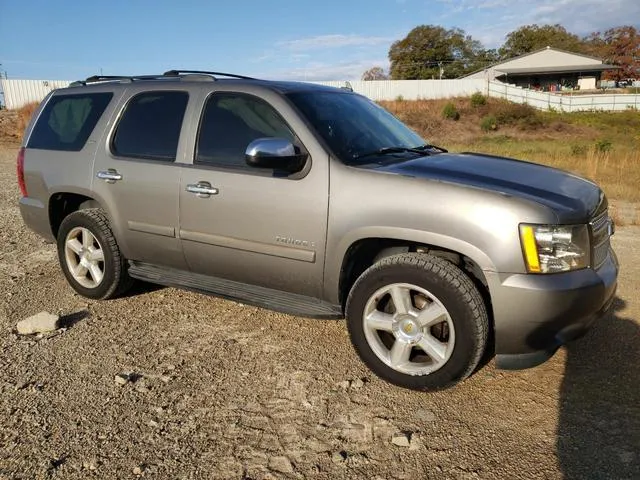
{"points": [[359, 251], [62, 203]]}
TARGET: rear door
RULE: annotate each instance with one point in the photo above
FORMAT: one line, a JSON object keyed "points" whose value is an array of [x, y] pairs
{"points": [[257, 226], [136, 176]]}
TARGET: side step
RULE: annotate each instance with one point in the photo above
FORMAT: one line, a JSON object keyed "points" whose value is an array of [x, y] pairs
{"points": [[268, 298]]}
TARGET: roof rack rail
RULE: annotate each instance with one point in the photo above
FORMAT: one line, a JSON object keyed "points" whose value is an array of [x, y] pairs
{"points": [[166, 75], [107, 78], [177, 73], [101, 78]]}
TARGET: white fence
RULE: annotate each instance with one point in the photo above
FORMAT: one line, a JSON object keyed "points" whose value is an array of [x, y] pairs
{"points": [[18, 93], [567, 102], [414, 89]]}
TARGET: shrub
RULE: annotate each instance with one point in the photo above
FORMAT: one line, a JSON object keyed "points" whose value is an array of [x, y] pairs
{"points": [[578, 150], [531, 123], [603, 145], [478, 100], [489, 123], [399, 98], [508, 113], [24, 117], [522, 115], [450, 112]]}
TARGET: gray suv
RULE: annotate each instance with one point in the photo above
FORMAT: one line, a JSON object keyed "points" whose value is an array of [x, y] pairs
{"points": [[316, 201]]}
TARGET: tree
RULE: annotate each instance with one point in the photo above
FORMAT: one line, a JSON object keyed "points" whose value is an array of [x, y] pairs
{"points": [[430, 51], [483, 59], [619, 46], [375, 73], [530, 38]]}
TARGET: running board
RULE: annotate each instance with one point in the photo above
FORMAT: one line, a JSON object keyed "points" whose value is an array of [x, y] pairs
{"points": [[268, 298]]}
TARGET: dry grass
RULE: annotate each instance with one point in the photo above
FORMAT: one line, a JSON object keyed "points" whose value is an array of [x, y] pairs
{"points": [[575, 142], [24, 116], [618, 219], [616, 171], [13, 123]]}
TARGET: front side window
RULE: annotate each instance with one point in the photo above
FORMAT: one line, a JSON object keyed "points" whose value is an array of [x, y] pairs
{"points": [[150, 126], [67, 121], [352, 125], [230, 122]]}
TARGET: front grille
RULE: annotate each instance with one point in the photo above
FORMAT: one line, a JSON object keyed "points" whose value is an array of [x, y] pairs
{"points": [[600, 235]]}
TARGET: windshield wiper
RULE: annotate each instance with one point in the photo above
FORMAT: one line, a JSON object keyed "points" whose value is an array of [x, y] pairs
{"points": [[390, 150], [428, 146]]}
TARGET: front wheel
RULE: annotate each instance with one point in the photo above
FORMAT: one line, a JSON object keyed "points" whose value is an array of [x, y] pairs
{"points": [[417, 321]]}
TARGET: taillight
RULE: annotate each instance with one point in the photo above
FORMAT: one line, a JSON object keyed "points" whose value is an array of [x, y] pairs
{"points": [[20, 171]]}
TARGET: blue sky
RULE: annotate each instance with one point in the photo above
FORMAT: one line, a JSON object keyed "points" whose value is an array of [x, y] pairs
{"points": [[312, 40]]}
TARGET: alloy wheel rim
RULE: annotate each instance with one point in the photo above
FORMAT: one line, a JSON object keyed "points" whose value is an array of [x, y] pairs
{"points": [[409, 329], [85, 257]]}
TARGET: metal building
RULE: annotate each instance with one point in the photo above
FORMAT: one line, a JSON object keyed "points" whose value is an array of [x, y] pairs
{"points": [[18, 93], [548, 69]]}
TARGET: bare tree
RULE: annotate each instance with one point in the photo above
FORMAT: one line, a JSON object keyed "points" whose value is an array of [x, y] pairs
{"points": [[375, 73]]}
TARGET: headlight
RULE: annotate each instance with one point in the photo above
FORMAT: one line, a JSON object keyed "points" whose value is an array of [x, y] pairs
{"points": [[551, 249]]}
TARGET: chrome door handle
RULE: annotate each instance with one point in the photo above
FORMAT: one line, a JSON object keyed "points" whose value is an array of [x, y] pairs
{"points": [[202, 189], [110, 175]]}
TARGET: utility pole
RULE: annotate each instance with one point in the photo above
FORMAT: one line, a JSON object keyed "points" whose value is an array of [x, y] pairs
{"points": [[441, 69]]}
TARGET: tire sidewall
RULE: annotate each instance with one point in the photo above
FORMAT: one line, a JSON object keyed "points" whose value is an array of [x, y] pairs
{"points": [[461, 313], [79, 219]]}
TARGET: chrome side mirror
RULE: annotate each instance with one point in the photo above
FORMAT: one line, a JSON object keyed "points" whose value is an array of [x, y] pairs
{"points": [[275, 153]]}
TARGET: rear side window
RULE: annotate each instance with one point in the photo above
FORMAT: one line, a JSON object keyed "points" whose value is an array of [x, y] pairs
{"points": [[150, 126], [67, 121]]}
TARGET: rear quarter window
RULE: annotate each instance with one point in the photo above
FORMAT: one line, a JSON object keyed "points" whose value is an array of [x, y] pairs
{"points": [[67, 121]]}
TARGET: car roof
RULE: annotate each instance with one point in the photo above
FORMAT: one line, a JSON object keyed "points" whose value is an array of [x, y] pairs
{"points": [[199, 78]]}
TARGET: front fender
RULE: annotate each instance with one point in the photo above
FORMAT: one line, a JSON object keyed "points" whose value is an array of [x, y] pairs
{"points": [[334, 262]]}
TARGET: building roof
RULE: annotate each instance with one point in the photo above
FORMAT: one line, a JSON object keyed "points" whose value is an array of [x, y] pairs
{"points": [[590, 57], [548, 60], [565, 69]]}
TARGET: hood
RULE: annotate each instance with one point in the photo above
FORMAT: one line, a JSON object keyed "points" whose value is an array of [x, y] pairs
{"points": [[572, 198]]}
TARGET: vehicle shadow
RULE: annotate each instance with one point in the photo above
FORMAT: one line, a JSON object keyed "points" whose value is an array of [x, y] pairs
{"points": [[142, 288], [599, 425]]}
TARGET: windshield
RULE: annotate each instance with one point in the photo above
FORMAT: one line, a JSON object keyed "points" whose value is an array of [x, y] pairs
{"points": [[354, 126]]}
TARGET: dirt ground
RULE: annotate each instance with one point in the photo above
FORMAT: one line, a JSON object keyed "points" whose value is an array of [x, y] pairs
{"points": [[224, 390]]}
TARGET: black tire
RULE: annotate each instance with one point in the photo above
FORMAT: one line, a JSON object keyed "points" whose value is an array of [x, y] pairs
{"points": [[116, 280], [452, 288]]}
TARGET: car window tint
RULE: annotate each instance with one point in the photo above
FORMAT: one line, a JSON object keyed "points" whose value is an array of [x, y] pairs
{"points": [[230, 122], [150, 126], [67, 121]]}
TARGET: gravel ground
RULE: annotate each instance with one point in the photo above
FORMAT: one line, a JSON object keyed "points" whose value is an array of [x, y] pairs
{"points": [[223, 390]]}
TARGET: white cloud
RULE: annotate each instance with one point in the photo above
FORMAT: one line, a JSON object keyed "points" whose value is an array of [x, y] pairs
{"points": [[585, 16], [332, 41], [319, 71], [270, 55]]}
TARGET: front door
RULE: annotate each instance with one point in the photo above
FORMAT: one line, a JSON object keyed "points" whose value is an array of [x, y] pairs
{"points": [[254, 226], [136, 178]]}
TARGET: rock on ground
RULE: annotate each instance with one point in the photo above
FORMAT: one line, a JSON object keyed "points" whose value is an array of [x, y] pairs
{"points": [[39, 323], [401, 440]]}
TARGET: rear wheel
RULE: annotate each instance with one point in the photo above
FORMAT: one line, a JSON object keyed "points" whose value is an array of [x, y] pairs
{"points": [[89, 255], [417, 321]]}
